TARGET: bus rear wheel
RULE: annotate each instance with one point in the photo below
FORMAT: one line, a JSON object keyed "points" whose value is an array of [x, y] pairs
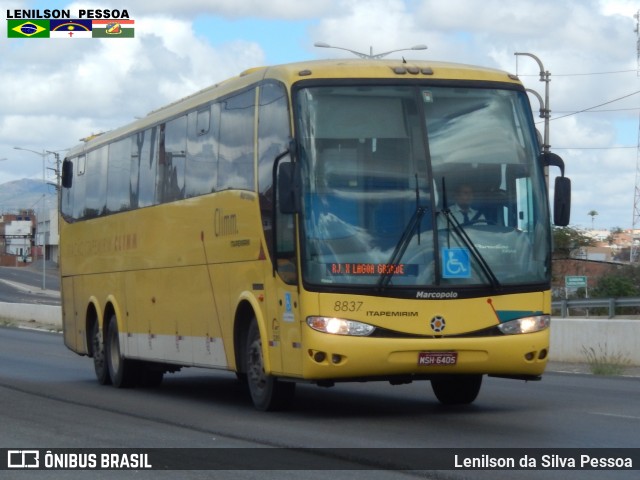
{"points": [[123, 372], [99, 359], [267, 392], [456, 389]]}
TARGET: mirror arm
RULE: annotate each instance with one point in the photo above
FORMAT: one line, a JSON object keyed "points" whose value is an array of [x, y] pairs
{"points": [[549, 159]]}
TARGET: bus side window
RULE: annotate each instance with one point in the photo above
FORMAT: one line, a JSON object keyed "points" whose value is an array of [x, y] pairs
{"points": [[235, 163], [144, 163], [118, 176], [202, 151], [96, 182], [273, 139], [172, 160]]}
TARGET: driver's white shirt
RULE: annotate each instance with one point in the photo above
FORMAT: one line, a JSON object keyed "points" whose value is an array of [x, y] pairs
{"points": [[472, 215]]}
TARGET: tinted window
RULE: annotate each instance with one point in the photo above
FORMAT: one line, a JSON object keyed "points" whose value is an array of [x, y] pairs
{"points": [[119, 176], [235, 164], [144, 149], [172, 159], [273, 138], [96, 182], [202, 151]]}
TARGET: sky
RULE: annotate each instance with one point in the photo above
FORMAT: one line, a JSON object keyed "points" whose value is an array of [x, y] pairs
{"points": [[55, 92]]}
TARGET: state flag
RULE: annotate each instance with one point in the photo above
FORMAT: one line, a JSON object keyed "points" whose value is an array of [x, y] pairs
{"points": [[75, 28], [113, 28], [27, 28]]}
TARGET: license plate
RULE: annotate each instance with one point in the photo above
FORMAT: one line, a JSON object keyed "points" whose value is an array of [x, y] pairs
{"points": [[437, 359]]}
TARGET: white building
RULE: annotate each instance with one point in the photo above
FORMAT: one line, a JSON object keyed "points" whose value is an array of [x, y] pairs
{"points": [[18, 236], [47, 233]]}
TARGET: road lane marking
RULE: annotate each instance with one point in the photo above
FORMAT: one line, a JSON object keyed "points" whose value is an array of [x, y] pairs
{"points": [[616, 415]]}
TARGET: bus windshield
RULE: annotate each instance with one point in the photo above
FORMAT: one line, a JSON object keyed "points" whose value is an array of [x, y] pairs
{"points": [[421, 186]]}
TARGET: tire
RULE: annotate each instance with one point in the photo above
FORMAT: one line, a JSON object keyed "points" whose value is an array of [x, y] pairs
{"points": [[123, 372], [456, 389], [267, 392], [99, 359]]}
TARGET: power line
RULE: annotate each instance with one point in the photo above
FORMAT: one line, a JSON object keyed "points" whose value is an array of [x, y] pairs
{"points": [[582, 74], [596, 106], [601, 111], [595, 148]]}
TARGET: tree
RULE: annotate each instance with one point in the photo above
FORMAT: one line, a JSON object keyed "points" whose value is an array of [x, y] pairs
{"points": [[615, 286], [622, 283], [567, 239], [592, 214], [615, 231]]}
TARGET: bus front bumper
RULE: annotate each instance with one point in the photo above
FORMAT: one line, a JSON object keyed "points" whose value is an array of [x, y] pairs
{"points": [[338, 357]]}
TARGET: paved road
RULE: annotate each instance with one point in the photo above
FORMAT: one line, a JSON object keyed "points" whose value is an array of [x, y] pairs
{"points": [[51, 400], [24, 285]]}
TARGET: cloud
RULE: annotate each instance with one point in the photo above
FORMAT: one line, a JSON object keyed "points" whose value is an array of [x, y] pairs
{"points": [[380, 25], [233, 9], [56, 91]]}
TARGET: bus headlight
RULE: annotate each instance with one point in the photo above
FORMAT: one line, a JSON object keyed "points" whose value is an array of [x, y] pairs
{"points": [[525, 325], [340, 326]]}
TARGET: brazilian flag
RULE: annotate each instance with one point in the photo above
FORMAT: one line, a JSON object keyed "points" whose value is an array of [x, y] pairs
{"points": [[28, 28]]}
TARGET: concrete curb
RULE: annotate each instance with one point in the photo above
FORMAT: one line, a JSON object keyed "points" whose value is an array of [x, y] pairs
{"points": [[50, 315]]}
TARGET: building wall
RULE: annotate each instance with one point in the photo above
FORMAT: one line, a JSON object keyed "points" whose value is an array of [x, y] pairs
{"points": [[24, 223], [18, 237]]}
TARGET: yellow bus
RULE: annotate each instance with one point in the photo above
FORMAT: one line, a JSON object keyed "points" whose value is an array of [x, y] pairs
{"points": [[317, 222]]}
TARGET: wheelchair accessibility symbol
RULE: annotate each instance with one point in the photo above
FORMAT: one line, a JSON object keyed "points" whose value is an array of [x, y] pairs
{"points": [[456, 263]]}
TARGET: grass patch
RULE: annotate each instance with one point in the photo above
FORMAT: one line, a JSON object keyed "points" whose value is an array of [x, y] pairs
{"points": [[603, 363], [12, 323]]}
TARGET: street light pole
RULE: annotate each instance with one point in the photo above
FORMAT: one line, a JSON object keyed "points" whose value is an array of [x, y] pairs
{"points": [[545, 111], [43, 154], [370, 55]]}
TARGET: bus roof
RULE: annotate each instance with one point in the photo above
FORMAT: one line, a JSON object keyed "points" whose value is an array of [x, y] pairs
{"points": [[293, 72], [364, 68]]}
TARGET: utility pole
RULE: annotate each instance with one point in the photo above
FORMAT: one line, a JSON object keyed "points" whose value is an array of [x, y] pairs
{"points": [[633, 250]]}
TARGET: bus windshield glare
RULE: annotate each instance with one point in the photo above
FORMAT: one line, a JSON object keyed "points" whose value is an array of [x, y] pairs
{"points": [[421, 186]]}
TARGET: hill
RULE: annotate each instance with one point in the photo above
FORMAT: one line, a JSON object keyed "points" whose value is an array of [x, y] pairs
{"points": [[25, 194]]}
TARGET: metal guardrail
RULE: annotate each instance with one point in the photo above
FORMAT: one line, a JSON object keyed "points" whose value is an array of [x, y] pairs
{"points": [[609, 303]]}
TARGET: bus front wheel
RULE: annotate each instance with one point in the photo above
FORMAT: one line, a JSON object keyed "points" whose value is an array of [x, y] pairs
{"points": [[122, 372], [267, 392], [456, 389]]}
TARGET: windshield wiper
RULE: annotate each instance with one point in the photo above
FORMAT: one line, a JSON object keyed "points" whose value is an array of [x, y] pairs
{"points": [[403, 243], [462, 234]]}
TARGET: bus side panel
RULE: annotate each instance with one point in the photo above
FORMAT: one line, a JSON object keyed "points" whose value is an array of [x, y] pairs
{"points": [[173, 317], [221, 276], [288, 316], [275, 307], [74, 332]]}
